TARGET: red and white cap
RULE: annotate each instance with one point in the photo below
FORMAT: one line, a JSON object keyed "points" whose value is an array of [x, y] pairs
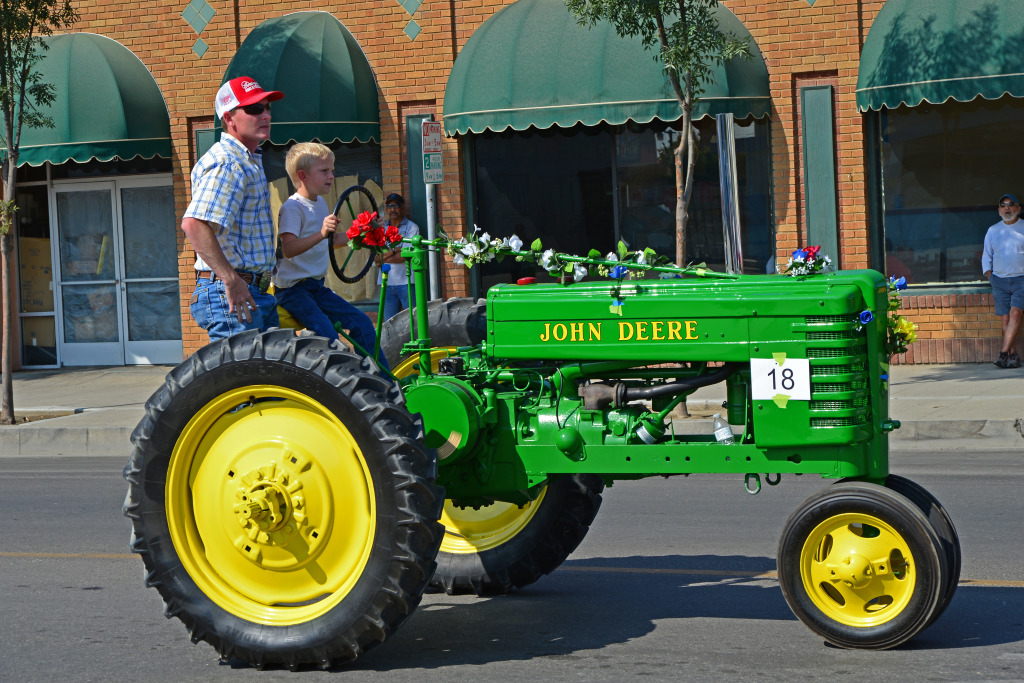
{"points": [[241, 91]]}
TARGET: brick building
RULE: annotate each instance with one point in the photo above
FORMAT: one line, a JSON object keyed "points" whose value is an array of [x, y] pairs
{"points": [[883, 130]]}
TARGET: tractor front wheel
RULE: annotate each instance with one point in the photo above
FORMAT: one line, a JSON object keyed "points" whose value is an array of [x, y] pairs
{"points": [[862, 566]]}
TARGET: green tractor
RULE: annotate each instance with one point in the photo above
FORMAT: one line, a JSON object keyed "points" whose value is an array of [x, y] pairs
{"points": [[292, 502]]}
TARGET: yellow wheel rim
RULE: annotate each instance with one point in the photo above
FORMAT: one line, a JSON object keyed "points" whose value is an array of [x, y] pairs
{"points": [[270, 505], [469, 531], [411, 365], [858, 570], [473, 531]]}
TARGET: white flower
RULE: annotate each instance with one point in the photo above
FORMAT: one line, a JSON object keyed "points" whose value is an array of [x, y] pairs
{"points": [[475, 229], [458, 259], [485, 238], [515, 244], [546, 259], [471, 249], [611, 256], [640, 258], [579, 271]]}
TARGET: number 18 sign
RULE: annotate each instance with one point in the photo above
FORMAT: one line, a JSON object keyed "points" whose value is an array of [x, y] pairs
{"points": [[780, 376]]}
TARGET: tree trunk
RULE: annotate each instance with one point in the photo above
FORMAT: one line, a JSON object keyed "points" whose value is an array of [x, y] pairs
{"points": [[6, 343]]}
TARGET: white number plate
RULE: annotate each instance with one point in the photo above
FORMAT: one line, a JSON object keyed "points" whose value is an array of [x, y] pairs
{"points": [[771, 378]]}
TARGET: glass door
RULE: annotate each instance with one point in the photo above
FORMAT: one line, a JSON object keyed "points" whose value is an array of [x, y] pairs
{"points": [[87, 261], [151, 306], [117, 261]]}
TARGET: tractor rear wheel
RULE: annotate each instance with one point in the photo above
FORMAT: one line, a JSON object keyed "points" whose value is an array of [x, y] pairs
{"points": [[862, 566], [282, 500], [501, 547]]}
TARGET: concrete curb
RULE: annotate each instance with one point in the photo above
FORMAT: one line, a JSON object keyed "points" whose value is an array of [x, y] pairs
{"points": [[86, 433]]}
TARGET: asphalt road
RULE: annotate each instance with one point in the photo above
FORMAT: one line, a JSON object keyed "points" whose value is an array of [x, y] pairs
{"points": [[674, 582]]}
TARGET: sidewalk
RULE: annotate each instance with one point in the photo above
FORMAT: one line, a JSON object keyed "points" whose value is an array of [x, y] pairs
{"points": [[941, 407]]}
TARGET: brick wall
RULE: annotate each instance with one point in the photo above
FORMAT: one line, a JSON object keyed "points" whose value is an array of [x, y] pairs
{"points": [[801, 43], [955, 328]]}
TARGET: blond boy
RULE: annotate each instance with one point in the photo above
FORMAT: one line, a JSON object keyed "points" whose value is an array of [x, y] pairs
{"points": [[304, 222]]}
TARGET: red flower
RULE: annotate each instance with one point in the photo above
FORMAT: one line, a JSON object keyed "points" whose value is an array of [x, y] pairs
{"points": [[354, 232], [364, 219], [812, 252], [391, 235], [374, 237]]}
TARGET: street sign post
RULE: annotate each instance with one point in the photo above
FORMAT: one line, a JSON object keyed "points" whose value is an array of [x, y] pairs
{"points": [[433, 174], [433, 170]]}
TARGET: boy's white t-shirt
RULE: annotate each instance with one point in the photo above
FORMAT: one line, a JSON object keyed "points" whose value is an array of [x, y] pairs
{"points": [[302, 217]]}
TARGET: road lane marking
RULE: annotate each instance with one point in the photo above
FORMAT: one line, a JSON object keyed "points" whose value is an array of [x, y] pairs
{"points": [[769, 575], [724, 573], [73, 556]]}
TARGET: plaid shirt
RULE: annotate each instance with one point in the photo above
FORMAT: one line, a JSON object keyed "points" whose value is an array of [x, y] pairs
{"points": [[230, 192]]}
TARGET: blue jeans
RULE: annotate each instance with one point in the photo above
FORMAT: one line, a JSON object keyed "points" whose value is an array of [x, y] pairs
{"points": [[318, 308], [396, 300], [209, 305]]}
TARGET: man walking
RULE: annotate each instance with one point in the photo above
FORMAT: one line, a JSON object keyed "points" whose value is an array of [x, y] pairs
{"points": [[228, 220], [1003, 264]]}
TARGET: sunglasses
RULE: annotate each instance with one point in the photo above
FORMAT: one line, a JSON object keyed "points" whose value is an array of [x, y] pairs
{"points": [[392, 206], [1006, 204], [256, 109]]}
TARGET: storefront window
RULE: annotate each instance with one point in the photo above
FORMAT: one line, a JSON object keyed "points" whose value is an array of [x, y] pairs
{"points": [[943, 170], [555, 185], [35, 277], [360, 159], [558, 185]]}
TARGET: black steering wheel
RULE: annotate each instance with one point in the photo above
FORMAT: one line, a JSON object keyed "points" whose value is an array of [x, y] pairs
{"points": [[346, 200]]}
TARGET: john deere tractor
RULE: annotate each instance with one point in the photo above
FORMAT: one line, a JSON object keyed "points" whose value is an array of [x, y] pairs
{"points": [[292, 502]]}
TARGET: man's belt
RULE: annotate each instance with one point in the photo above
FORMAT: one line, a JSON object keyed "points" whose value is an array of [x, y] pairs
{"points": [[259, 280]]}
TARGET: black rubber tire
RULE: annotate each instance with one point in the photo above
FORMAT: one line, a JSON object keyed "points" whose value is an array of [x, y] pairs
{"points": [[400, 482], [869, 502], [564, 514], [559, 525], [459, 321], [338, 270], [944, 529]]}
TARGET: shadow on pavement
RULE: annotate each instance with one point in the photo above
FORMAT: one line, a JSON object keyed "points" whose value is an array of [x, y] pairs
{"points": [[579, 609]]}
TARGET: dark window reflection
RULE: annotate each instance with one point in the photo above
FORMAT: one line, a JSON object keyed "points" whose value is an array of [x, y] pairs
{"points": [[943, 170], [558, 185]]}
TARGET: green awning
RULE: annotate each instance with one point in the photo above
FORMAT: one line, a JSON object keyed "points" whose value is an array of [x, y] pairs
{"points": [[935, 50], [329, 90], [532, 64], [107, 105]]}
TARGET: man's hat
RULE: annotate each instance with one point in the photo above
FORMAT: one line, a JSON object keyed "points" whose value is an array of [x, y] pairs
{"points": [[241, 91], [1010, 196], [394, 197]]}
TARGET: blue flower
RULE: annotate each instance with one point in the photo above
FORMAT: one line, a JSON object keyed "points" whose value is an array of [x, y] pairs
{"points": [[618, 272], [898, 284], [800, 255], [866, 316]]}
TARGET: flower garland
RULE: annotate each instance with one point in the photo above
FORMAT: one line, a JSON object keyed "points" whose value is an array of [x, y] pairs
{"points": [[808, 261], [366, 233], [480, 247], [624, 264], [900, 332]]}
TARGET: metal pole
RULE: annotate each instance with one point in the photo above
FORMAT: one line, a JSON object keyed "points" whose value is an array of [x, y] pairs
{"points": [[431, 234], [730, 193]]}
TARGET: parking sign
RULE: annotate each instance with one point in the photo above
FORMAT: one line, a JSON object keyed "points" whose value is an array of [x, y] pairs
{"points": [[433, 171]]}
